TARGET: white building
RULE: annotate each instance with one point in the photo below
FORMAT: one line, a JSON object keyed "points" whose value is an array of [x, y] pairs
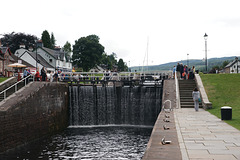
{"points": [[233, 67], [57, 58], [31, 58]]}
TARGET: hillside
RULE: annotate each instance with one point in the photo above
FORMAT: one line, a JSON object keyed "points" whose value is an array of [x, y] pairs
{"points": [[199, 64]]}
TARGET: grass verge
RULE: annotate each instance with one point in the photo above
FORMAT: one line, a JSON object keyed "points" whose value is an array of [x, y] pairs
{"points": [[223, 90], [3, 79]]}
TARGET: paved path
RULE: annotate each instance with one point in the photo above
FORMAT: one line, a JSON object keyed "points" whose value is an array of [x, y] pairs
{"points": [[201, 135]]}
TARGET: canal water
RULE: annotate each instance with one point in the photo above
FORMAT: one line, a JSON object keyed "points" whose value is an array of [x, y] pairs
{"points": [[88, 143]]}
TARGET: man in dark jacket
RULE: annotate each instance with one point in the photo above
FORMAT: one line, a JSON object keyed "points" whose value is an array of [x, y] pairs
{"points": [[178, 70], [43, 74], [181, 70]]}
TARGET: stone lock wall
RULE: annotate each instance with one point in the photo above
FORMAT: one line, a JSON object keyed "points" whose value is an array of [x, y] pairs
{"points": [[37, 110]]}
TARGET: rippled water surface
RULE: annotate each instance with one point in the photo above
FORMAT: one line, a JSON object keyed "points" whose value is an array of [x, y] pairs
{"points": [[89, 143]]}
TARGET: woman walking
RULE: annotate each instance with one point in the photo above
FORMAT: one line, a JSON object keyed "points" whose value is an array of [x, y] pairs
{"points": [[196, 96]]}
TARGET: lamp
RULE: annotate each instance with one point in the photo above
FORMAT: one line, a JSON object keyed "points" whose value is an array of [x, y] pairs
{"points": [[205, 37]]}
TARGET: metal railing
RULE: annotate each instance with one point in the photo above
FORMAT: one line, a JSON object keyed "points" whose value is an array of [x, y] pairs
{"points": [[15, 86], [170, 105], [110, 75]]}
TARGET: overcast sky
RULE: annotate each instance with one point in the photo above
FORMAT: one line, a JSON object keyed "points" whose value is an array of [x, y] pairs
{"points": [[171, 28]]}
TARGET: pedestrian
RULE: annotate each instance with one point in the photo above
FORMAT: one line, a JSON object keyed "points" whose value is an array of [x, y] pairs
{"points": [[192, 72], [51, 76], [37, 76], [25, 74], [55, 76], [178, 71], [181, 70], [186, 71], [174, 70], [193, 69], [196, 98], [43, 74]]}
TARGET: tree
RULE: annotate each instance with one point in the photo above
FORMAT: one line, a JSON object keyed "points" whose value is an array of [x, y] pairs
{"points": [[224, 64], [87, 52], [46, 39], [13, 40], [105, 60], [109, 60], [112, 59], [53, 41], [121, 65], [67, 47]]}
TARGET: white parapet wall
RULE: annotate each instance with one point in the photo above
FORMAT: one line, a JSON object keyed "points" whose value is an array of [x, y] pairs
{"points": [[205, 102]]}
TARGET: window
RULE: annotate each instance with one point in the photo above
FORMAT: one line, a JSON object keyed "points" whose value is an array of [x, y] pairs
{"points": [[50, 60]]}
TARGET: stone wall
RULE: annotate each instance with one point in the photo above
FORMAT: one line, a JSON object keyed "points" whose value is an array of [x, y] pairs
{"points": [[37, 110]]}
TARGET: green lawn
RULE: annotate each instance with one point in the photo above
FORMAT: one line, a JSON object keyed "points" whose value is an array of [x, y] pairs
{"points": [[224, 90], [3, 79]]}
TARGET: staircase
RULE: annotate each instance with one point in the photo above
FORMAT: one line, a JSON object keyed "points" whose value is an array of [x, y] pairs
{"points": [[186, 88]]}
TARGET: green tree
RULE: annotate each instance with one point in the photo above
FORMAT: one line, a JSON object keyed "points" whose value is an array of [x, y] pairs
{"points": [[87, 52], [121, 65], [105, 60], [13, 40], [224, 64], [53, 41], [113, 60], [67, 47], [109, 60], [46, 39]]}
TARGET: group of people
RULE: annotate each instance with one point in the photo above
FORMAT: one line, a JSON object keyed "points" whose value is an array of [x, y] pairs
{"points": [[183, 72], [41, 76]]}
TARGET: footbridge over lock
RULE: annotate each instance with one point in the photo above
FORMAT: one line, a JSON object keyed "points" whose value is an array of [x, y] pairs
{"points": [[115, 78]]}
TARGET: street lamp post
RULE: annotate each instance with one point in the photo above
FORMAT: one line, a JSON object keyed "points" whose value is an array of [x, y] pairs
{"points": [[129, 66], [187, 60], [205, 37], [36, 56]]}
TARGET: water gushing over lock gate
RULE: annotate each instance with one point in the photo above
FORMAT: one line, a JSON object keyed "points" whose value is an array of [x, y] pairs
{"points": [[93, 105]]}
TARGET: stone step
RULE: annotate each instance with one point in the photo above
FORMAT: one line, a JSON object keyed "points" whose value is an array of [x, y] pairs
{"points": [[186, 99], [190, 83], [186, 90], [189, 102], [186, 86], [190, 106], [185, 94], [186, 82]]}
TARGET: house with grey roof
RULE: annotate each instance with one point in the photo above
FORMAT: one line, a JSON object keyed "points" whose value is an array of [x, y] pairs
{"points": [[233, 67], [57, 58], [33, 59]]}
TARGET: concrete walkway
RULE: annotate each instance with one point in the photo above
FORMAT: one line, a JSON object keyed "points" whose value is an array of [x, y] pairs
{"points": [[201, 135]]}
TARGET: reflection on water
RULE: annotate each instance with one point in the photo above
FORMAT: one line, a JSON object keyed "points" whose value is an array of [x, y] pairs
{"points": [[88, 144]]}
